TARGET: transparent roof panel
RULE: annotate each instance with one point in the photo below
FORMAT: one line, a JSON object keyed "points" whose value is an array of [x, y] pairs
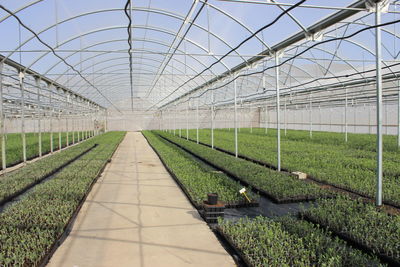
{"points": [[179, 46]]}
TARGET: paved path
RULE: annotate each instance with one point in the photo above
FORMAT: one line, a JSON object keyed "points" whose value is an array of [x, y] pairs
{"points": [[136, 215]]}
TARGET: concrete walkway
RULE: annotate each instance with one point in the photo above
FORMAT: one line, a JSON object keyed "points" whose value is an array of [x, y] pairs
{"points": [[136, 215]]}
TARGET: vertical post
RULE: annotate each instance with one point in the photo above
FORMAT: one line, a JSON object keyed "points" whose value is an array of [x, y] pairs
{"points": [[66, 119], [37, 80], [354, 104], [180, 126], [187, 121], [212, 119], [78, 129], [320, 117], [21, 85], [2, 122], [266, 119], [379, 150], [398, 113], [311, 123], [266, 106], [278, 122], [198, 121], [175, 119], [73, 129], [345, 117], [235, 119], [59, 131], [51, 118], [106, 120], [73, 125]]}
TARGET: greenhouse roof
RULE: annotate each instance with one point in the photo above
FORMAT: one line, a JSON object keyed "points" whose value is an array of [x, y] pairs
{"points": [[161, 52]]}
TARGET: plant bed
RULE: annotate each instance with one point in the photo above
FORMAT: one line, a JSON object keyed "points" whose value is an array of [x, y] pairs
{"points": [[309, 177], [352, 191], [31, 228], [362, 224], [231, 245], [289, 242], [38, 181], [173, 158], [274, 198], [354, 243], [348, 165], [14, 146], [17, 180]]}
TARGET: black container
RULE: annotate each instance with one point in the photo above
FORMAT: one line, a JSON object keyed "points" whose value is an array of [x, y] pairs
{"points": [[212, 198], [212, 212]]}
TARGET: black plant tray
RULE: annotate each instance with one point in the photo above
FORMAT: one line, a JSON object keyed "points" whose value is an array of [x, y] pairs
{"points": [[245, 183], [23, 190], [231, 245], [353, 242], [67, 229], [194, 203]]}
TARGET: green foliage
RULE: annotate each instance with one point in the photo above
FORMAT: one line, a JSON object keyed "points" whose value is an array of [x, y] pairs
{"points": [[198, 179], [29, 227], [326, 156], [279, 185], [290, 242], [14, 145], [360, 221], [12, 182]]}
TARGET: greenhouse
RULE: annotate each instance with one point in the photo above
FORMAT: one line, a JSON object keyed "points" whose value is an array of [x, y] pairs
{"points": [[199, 133]]}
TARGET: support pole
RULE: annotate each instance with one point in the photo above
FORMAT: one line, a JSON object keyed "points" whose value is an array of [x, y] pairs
{"points": [[187, 121], [59, 131], [345, 117], [37, 80], [311, 122], [66, 119], [398, 113], [2, 123], [106, 120], [51, 119], [198, 122], [21, 85], [266, 106], [379, 148], [212, 119], [73, 126], [266, 119], [235, 119], [278, 122], [78, 129]]}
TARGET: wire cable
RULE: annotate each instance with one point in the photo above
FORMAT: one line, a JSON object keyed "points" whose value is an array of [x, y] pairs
{"points": [[129, 29], [55, 54], [238, 46], [304, 51]]}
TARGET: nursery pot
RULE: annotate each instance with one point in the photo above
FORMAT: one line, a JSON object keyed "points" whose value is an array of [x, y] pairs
{"points": [[212, 198]]}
